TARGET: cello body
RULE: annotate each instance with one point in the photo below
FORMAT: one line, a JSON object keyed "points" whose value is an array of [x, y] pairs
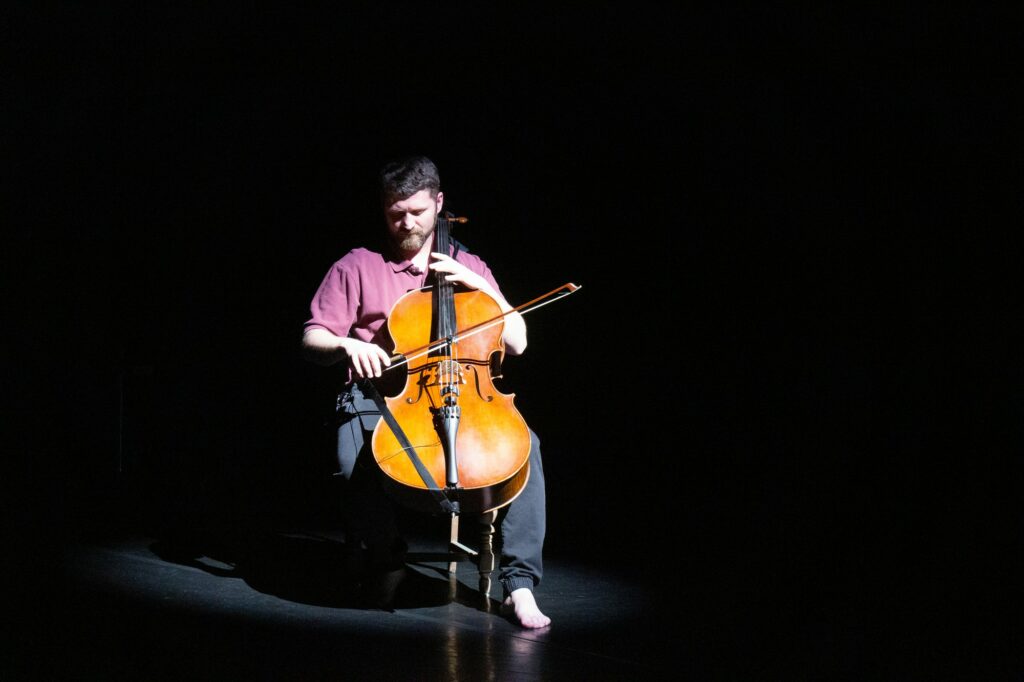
{"points": [[489, 445]]}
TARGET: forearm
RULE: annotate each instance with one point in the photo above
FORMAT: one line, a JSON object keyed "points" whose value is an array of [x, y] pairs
{"points": [[365, 359], [514, 333], [323, 347]]}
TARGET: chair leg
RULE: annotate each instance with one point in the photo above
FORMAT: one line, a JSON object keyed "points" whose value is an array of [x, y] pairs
{"points": [[453, 541], [485, 559]]}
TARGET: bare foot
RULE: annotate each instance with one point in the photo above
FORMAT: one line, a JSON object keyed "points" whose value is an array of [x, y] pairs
{"points": [[525, 607]]}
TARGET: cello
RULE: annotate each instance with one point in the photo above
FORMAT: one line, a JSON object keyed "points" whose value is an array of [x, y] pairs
{"points": [[449, 440]]}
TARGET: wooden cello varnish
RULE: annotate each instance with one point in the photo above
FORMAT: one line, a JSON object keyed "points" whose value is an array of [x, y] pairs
{"points": [[469, 435]]}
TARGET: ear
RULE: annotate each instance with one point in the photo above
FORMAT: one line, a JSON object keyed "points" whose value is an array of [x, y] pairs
{"points": [[440, 201]]}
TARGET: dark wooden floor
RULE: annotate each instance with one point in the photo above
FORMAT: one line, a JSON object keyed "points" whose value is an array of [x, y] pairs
{"points": [[268, 605]]}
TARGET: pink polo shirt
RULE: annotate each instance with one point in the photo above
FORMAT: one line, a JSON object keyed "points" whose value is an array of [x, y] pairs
{"points": [[359, 290]]}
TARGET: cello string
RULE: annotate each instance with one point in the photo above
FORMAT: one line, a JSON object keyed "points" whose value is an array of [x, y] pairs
{"points": [[447, 312]]}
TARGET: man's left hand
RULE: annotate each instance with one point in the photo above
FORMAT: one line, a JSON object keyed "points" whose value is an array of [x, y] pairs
{"points": [[457, 272]]}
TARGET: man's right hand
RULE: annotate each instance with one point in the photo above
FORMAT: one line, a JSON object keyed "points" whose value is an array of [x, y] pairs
{"points": [[324, 348], [366, 359]]}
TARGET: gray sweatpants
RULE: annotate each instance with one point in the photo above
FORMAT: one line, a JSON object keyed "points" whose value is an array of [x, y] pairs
{"points": [[369, 514]]}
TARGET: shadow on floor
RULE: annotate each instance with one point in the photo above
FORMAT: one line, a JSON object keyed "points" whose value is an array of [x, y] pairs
{"points": [[316, 570]]}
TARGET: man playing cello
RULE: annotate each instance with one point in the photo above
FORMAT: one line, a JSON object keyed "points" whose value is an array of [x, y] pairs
{"points": [[347, 323]]}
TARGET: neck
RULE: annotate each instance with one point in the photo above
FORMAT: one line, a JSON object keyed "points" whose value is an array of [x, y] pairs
{"points": [[421, 257]]}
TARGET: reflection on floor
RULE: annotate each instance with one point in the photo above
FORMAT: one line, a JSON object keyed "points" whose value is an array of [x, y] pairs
{"points": [[273, 605]]}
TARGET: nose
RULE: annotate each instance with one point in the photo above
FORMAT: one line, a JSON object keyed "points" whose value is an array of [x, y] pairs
{"points": [[408, 221]]}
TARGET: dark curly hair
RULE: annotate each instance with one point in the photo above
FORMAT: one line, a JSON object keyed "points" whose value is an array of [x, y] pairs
{"points": [[404, 177]]}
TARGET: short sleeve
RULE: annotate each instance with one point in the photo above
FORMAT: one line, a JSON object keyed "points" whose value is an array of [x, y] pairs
{"points": [[336, 304]]}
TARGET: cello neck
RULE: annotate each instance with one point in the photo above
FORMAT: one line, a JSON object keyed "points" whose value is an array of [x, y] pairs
{"points": [[444, 323]]}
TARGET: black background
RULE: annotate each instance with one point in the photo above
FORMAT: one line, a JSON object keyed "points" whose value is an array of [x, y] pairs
{"points": [[793, 360]]}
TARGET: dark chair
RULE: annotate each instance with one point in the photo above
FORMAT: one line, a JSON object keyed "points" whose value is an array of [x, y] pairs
{"points": [[482, 558]]}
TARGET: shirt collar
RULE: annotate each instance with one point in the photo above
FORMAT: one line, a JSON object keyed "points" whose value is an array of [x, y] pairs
{"points": [[405, 265]]}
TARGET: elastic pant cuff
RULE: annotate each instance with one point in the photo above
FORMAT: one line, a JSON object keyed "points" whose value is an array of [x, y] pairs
{"points": [[512, 584]]}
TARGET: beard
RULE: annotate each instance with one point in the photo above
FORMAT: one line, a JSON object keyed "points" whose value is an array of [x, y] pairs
{"points": [[411, 242]]}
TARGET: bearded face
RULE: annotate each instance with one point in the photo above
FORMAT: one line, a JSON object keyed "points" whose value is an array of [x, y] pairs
{"points": [[410, 221], [413, 240]]}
